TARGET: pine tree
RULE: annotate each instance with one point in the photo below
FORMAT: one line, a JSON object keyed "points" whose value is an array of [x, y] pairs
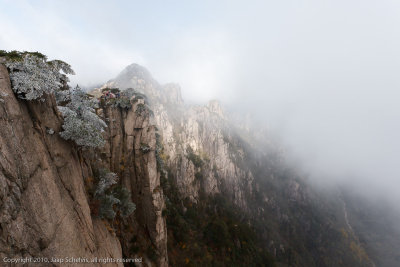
{"points": [[113, 199], [81, 123], [32, 76]]}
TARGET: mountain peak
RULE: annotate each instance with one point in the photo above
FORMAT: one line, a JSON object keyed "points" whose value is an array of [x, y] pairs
{"points": [[216, 107], [137, 70]]}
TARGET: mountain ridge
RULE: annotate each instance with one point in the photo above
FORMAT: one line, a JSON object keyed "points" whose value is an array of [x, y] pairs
{"points": [[232, 167], [208, 191]]}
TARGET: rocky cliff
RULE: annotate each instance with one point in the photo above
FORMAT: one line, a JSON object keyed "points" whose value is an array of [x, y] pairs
{"points": [[44, 201], [208, 189], [189, 133], [130, 151], [210, 160]]}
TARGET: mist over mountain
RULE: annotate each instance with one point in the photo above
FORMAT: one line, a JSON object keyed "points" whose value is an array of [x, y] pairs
{"points": [[321, 75], [233, 133]]}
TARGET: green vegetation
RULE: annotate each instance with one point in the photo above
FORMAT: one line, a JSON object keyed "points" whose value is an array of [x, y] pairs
{"points": [[19, 56], [194, 158], [122, 102], [145, 148], [108, 199], [140, 109], [130, 92], [81, 123], [199, 176], [112, 90], [305, 226], [32, 76], [159, 153], [125, 206], [210, 233]]}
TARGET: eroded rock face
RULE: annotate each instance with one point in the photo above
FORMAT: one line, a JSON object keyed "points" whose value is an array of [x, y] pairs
{"points": [[44, 202], [207, 152], [44, 209], [44, 205], [130, 152], [205, 129]]}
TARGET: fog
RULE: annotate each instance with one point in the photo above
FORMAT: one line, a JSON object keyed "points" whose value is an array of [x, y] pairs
{"points": [[323, 75]]}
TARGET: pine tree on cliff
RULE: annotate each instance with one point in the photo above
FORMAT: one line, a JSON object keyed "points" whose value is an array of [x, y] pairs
{"points": [[81, 123], [32, 76]]}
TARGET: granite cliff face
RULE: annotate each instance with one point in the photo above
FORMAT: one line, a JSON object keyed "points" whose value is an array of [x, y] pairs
{"points": [[44, 210], [209, 190], [130, 152], [44, 204], [203, 130], [207, 155]]}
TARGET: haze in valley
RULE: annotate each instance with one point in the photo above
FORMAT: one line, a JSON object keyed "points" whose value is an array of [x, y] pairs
{"points": [[321, 75]]}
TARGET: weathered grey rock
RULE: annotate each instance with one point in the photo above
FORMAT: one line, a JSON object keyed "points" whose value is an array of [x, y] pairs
{"points": [[203, 128]]}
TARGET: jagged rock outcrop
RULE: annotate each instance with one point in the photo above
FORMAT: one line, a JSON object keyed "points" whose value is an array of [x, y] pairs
{"points": [[130, 152], [206, 154], [44, 209], [224, 183], [44, 204], [204, 129]]}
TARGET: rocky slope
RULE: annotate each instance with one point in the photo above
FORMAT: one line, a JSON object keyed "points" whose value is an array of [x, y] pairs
{"points": [[44, 201], [208, 190], [128, 136], [207, 156], [204, 130]]}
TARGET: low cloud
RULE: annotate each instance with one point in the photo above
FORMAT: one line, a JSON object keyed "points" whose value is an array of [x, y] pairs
{"points": [[321, 74]]}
